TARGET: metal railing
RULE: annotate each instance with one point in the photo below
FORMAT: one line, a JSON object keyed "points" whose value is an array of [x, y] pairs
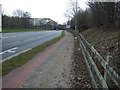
{"points": [[98, 81]]}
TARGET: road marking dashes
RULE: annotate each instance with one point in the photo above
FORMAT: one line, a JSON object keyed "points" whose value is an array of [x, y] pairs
{"points": [[10, 43], [4, 37], [30, 39], [9, 51]]}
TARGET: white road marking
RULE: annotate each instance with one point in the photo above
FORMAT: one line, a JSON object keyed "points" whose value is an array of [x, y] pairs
{"points": [[4, 37], [19, 35], [13, 36], [2, 53], [30, 39], [15, 55], [10, 43], [12, 50]]}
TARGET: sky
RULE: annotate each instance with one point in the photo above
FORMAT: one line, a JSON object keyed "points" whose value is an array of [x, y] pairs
{"points": [[53, 9]]}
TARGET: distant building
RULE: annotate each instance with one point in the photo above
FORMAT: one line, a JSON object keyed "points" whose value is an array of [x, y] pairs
{"points": [[67, 26], [43, 23]]}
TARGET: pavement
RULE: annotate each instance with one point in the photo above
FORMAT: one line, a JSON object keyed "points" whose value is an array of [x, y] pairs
{"points": [[15, 43], [48, 69]]}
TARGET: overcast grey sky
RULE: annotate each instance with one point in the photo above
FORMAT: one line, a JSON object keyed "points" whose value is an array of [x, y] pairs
{"points": [[53, 9]]}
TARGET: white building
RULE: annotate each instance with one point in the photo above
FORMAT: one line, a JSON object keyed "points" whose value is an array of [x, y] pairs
{"points": [[43, 23], [39, 21]]}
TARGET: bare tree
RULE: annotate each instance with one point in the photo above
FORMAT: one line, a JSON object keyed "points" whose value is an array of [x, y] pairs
{"points": [[26, 15], [72, 9], [3, 12], [18, 13]]}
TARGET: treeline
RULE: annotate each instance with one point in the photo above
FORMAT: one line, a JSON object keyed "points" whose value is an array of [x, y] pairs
{"points": [[99, 14], [19, 20]]}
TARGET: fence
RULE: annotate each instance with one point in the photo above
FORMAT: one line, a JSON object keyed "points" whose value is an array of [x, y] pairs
{"points": [[98, 81]]}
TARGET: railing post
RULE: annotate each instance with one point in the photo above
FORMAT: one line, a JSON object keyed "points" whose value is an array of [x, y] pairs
{"points": [[105, 73], [110, 76], [106, 76], [92, 53]]}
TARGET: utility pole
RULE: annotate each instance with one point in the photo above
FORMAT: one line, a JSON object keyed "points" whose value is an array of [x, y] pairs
{"points": [[76, 15]]}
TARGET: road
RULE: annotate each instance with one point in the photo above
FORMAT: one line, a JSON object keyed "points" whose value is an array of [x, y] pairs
{"points": [[50, 68], [14, 43]]}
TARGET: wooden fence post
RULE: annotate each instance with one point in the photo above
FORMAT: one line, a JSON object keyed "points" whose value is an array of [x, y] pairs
{"points": [[106, 76], [110, 76], [105, 73]]}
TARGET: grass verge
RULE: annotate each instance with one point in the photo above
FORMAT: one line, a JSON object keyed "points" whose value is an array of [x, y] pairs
{"points": [[23, 58], [20, 30]]}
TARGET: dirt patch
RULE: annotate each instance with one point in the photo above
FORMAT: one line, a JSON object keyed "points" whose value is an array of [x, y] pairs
{"points": [[80, 75]]}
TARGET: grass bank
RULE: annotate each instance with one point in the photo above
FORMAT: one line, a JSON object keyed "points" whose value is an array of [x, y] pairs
{"points": [[20, 30], [23, 58], [106, 41]]}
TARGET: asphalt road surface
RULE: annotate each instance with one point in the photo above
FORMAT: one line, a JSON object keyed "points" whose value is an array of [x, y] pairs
{"points": [[14, 43]]}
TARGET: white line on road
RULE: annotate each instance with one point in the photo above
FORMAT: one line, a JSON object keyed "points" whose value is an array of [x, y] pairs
{"points": [[12, 50], [30, 39], [4, 37], [15, 55], [11, 43]]}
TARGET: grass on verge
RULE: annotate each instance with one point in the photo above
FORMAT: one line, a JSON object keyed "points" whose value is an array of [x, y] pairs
{"points": [[23, 58], [20, 30]]}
